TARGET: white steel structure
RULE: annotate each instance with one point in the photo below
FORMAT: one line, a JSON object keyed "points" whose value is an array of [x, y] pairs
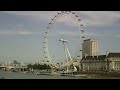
{"points": [[68, 56], [75, 18], [67, 53]]}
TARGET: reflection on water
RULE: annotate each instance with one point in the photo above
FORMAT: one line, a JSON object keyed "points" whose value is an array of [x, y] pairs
{"points": [[15, 75]]}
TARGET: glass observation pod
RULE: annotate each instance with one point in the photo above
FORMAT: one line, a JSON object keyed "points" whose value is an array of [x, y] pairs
{"points": [[83, 37], [79, 19], [76, 15]]}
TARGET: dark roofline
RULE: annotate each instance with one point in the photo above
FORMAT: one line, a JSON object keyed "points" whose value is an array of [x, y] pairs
{"points": [[101, 57], [89, 39], [112, 54], [115, 52], [95, 56]]}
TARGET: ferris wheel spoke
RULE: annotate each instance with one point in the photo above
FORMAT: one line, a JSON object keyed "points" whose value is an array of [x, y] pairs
{"points": [[77, 21]]}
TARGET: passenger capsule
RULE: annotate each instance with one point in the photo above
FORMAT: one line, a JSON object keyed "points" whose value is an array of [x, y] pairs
{"points": [[82, 30], [81, 25], [76, 15], [83, 37], [50, 23], [73, 13], [79, 19]]}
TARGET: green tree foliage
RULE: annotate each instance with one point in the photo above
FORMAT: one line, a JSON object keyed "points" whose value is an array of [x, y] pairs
{"points": [[16, 62], [38, 66], [30, 66]]}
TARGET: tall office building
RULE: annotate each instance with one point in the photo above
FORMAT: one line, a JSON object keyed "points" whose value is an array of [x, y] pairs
{"points": [[89, 47]]}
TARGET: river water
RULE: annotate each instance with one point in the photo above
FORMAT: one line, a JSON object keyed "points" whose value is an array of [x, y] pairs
{"points": [[15, 75]]}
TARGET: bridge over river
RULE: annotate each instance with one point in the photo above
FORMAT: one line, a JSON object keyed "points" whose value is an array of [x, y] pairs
{"points": [[6, 67]]}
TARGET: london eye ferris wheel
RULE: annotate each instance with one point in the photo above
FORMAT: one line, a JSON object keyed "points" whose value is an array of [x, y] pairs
{"points": [[56, 31]]}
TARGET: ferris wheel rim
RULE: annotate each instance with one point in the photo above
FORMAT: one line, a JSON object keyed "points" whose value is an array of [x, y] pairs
{"points": [[49, 27]]}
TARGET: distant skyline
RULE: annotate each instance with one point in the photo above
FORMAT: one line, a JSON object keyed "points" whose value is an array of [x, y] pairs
{"points": [[22, 33]]}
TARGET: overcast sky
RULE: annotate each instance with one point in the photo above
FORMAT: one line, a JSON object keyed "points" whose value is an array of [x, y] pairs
{"points": [[22, 33]]}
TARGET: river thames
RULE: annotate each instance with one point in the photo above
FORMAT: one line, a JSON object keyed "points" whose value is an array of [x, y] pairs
{"points": [[15, 75]]}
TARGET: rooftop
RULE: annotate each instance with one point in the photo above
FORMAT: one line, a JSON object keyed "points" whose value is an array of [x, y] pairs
{"points": [[90, 39], [101, 57], [113, 55]]}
